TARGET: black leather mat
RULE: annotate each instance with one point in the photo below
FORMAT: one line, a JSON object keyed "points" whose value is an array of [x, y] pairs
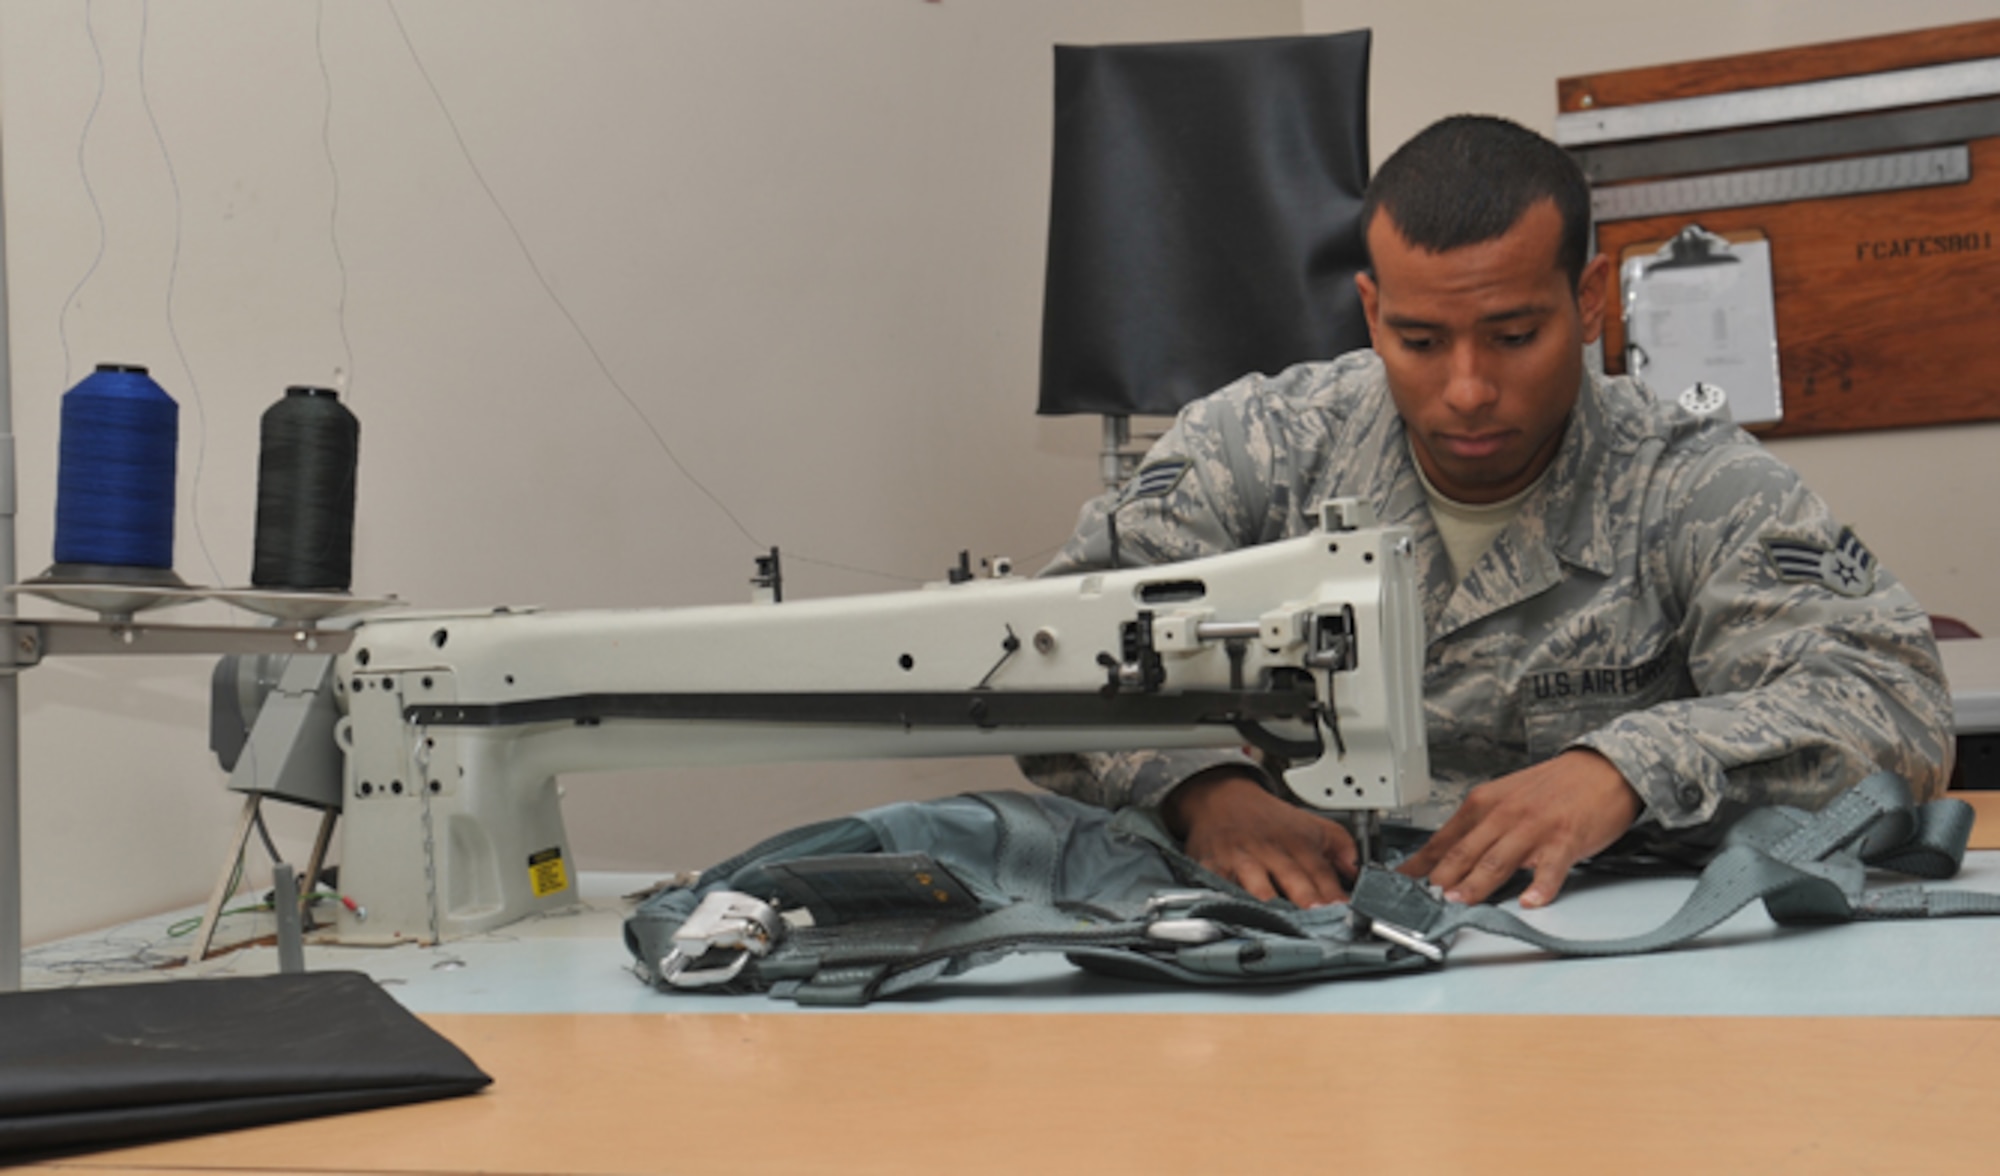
{"points": [[88, 1068]]}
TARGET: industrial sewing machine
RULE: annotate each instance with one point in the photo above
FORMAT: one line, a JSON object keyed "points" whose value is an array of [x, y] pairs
{"points": [[439, 737]]}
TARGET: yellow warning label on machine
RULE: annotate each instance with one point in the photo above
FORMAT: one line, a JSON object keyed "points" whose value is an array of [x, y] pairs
{"points": [[546, 875]]}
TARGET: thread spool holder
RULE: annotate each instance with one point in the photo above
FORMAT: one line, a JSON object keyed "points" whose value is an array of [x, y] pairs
{"points": [[25, 641], [296, 618]]}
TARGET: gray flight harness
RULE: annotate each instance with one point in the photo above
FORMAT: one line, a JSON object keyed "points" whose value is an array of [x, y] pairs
{"points": [[847, 911]]}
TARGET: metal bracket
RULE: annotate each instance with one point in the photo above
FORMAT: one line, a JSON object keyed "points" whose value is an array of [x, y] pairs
{"points": [[33, 640], [1334, 647], [1345, 514], [1138, 666], [27, 642], [726, 920]]}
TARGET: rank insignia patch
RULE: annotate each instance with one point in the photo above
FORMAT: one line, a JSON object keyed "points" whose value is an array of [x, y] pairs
{"points": [[1847, 567], [1157, 479]]}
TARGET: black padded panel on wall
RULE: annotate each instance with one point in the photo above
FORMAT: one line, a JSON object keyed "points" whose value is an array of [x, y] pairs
{"points": [[1204, 217]]}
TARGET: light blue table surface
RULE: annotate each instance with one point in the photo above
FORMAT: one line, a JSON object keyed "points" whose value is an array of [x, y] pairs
{"points": [[577, 963]]}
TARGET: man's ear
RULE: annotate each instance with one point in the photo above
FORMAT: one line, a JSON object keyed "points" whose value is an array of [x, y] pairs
{"points": [[1593, 296], [1371, 306]]}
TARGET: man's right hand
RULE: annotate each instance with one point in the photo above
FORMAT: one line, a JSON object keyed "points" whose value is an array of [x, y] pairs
{"points": [[1234, 827]]}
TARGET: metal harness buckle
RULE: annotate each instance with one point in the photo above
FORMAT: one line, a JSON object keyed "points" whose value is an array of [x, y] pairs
{"points": [[1170, 900], [1166, 918], [726, 920], [1402, 937], [1379, 891]]}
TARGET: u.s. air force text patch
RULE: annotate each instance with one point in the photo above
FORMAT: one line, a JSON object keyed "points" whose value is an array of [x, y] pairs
{"points": [[1847, 567], [1157, 479]]}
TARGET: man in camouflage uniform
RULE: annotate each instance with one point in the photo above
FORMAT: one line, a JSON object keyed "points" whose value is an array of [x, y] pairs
{"points": [[1635, 616]]}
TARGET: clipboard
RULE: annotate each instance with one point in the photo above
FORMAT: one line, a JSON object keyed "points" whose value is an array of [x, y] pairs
{"points": [[1701, 325]]}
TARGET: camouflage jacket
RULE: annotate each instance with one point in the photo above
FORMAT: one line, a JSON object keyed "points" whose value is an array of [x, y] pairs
{"points": [[1670, 596]]}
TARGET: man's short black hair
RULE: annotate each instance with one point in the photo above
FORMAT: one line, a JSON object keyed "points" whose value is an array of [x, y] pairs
{"points": [[1471, 177]]}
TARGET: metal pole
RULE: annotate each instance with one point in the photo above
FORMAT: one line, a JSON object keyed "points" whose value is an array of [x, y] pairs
{"points": [[10, 681], [1111, 459]]}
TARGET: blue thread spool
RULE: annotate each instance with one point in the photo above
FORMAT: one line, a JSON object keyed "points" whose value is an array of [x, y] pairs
{"points": [[115, 482]]}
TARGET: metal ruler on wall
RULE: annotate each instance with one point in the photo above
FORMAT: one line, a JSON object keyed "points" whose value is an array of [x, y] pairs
{"points": [[1776, 185]]}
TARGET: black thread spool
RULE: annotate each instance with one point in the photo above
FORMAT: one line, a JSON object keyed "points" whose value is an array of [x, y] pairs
{"points": [[310, 445]]}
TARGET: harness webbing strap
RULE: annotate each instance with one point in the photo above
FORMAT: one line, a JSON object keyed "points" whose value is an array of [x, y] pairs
{"points": [[1806, 867], [1736, 878], [1936, 846], [1031, 873], [1028, 852], [1921, 902]]}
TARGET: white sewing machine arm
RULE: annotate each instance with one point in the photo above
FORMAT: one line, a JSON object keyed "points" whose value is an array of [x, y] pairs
{"points": [[457, 725]]}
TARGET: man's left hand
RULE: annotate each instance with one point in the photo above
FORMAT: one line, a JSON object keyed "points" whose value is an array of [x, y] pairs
{"points": [[1546, 818]]}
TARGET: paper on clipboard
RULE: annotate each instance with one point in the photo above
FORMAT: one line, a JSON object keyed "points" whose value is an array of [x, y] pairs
{"points": [[1700, 327]]}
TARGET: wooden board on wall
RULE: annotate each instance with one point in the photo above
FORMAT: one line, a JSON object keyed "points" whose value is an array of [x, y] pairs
{"points": [[1888, 304]]}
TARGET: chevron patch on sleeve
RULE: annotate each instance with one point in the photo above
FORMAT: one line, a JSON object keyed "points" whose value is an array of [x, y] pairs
{"points": [[1157, 479], [1847, 567]]}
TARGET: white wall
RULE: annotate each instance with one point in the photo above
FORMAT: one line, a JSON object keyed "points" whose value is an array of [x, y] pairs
{"points": [[1921, 498], [804, 236]]}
